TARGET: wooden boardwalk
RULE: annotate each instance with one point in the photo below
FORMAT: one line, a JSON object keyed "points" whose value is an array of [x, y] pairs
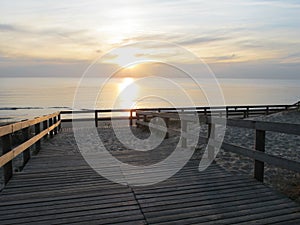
{"points": [[58, 187]]}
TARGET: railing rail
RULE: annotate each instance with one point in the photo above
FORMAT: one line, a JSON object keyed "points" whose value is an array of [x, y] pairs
{"points": [[260, 127], [243, 111], [50, 125]]}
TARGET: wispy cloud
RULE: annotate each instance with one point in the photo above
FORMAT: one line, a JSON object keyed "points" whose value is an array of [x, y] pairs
{"points": [[202, 40], [7, 27]]}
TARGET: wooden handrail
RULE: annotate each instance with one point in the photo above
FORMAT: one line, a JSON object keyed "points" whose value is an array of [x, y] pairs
{"points": [[50, 124], [238, 110], [257, 154], [11, 128], [22, 147]]}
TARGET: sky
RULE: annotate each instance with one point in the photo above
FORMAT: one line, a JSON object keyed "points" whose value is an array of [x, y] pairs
{"points": [[236, 38]]}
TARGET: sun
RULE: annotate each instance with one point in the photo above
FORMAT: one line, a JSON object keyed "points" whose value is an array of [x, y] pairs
{"points": [[127, 58], [128, 92], [125, 82]]}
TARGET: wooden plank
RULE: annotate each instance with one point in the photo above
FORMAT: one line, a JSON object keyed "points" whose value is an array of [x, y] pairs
{"points": [[265, 157], [287, 128], [57, 187]]}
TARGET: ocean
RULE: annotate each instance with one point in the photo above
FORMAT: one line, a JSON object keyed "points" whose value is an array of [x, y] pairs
{"points": [[25, 98]]}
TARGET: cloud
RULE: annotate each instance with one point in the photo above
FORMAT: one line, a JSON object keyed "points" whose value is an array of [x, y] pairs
{"points": [[293, 58], [222, 58], [8, 27], [201, 40]]}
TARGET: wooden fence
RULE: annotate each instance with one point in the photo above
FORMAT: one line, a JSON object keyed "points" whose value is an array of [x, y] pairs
{"points": [[42, 126], [50, 124], [229, 111], [260, 127]]}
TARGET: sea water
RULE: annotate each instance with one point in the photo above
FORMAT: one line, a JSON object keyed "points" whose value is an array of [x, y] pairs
{"points": [[25, 98]]}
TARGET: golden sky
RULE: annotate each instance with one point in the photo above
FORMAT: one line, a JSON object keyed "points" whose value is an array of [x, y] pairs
{"points": [[48, 36]]}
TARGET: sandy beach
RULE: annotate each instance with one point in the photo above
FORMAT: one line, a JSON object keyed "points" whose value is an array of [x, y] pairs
{"points": [[283, 145]]}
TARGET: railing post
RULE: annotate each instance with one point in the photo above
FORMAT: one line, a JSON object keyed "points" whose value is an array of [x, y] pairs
{"points": [[6, 147], [211, 135], [130, 118], [37, 130], [26, 153], [54, 122], [167, 125], [50, 124], [227, 112], [137, 119], [184, 133], [45, 126], [259, 146], [96, 118], [59, 119]]}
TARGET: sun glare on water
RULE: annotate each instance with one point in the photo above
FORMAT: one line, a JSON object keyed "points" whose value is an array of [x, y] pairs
{"points": [[128, 92]]}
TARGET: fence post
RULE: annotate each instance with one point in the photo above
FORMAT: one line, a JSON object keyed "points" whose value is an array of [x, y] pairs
{"points": [[37, 130], [137, 119], [96, 118], [227, 112], [130, 118], [211, 135], [54, 122], [184, 133], [59, 119], [259, 146], [6, 147], [45, 126], [26, 153], [167, 125], [50, 124]]}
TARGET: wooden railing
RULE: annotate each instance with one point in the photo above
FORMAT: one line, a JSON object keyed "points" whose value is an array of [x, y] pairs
{"points": [[260, 127], [229, 111], [258, 153], [42, 126], [98, 118]]}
